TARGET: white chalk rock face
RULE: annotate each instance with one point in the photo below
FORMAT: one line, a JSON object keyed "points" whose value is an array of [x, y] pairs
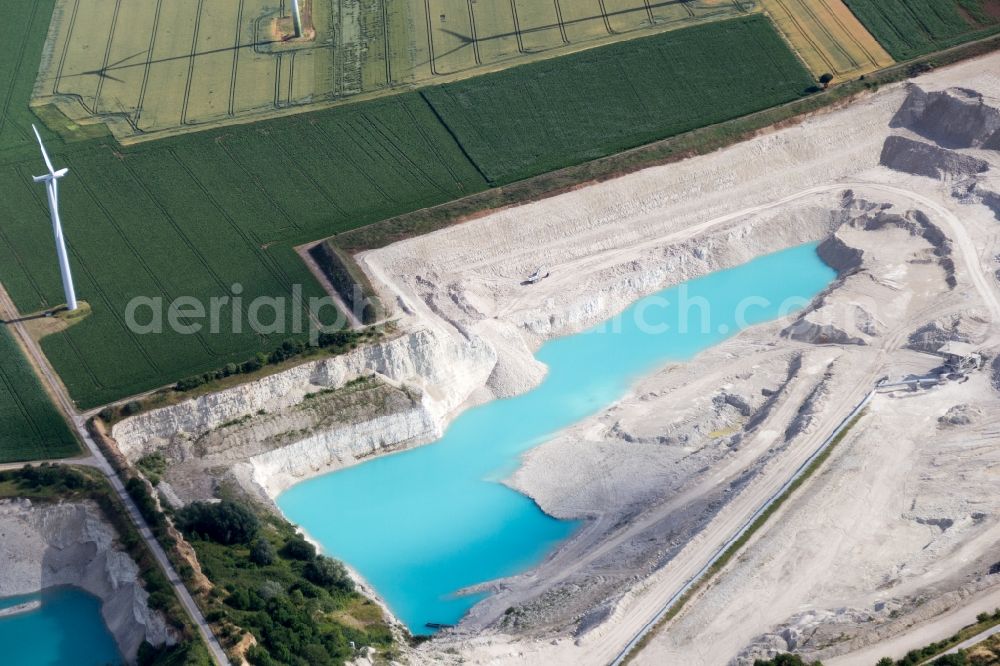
{"points": [[440, 367], [72, 544]]}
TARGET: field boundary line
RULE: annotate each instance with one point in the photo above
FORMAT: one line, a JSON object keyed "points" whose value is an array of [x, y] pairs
{"points": [[656, 153], [430, 144], [454, 137]]}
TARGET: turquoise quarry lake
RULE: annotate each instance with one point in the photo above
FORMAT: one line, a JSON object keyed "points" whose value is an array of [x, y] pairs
{"points": [[422, 524], [67, 630]]}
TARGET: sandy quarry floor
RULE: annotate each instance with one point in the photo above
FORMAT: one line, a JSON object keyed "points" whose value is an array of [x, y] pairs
{"points": [[905, 518]]}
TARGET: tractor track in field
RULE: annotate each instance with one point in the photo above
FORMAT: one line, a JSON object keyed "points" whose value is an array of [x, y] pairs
{"points": [[147, 68], [236, 59], [385, 39], [560, 21], [251, 177], [474, 37], [346, 158], [432, 60], [871, 58], [65, 51], [191, 60], [101, 75], [21, 50], [273, 268], [517, 26]]}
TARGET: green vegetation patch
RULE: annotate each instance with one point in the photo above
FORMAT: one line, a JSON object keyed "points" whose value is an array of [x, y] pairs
{"points": [[910, 28], [547, 115], [300, 606], [31, 428]]}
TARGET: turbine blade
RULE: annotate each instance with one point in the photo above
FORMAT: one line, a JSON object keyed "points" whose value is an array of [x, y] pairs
{"points": [[45, 155]]}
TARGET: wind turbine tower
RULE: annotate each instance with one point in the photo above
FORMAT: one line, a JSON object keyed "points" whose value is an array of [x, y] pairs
{"points": [[297, 18], [52, 189]]}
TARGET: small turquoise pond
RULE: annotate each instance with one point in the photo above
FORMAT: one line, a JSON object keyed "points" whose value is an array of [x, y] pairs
{"points": [[421, 524], [67, 630]]}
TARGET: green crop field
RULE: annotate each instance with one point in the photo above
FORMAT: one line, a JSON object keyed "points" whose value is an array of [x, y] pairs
{"points": [[195, 214], [910, 28], [30, 426], [546, 115]]}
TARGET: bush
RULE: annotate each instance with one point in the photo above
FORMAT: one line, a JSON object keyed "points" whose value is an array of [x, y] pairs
{"points": [[298, 548], [262, 553], [329, 574], [131, 408], [153, 466], [107, 414], [223, 522], [137, 489], [785, 660]]}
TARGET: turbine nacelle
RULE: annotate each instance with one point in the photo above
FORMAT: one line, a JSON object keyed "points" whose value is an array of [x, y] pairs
{"points": [[51, 176]]}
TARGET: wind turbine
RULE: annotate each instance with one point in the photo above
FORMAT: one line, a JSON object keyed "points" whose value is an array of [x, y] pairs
{"points": [[297, 18], [52, 189]]}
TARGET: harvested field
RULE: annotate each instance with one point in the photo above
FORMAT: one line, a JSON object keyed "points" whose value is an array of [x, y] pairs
{"points": [[30, 426], [160, 68], [603, 101], [828, 37], [909, 28]]}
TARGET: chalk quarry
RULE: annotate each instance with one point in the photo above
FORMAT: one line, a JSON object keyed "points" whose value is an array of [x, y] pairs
{"points": [[49, 545], [900, 187]]}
